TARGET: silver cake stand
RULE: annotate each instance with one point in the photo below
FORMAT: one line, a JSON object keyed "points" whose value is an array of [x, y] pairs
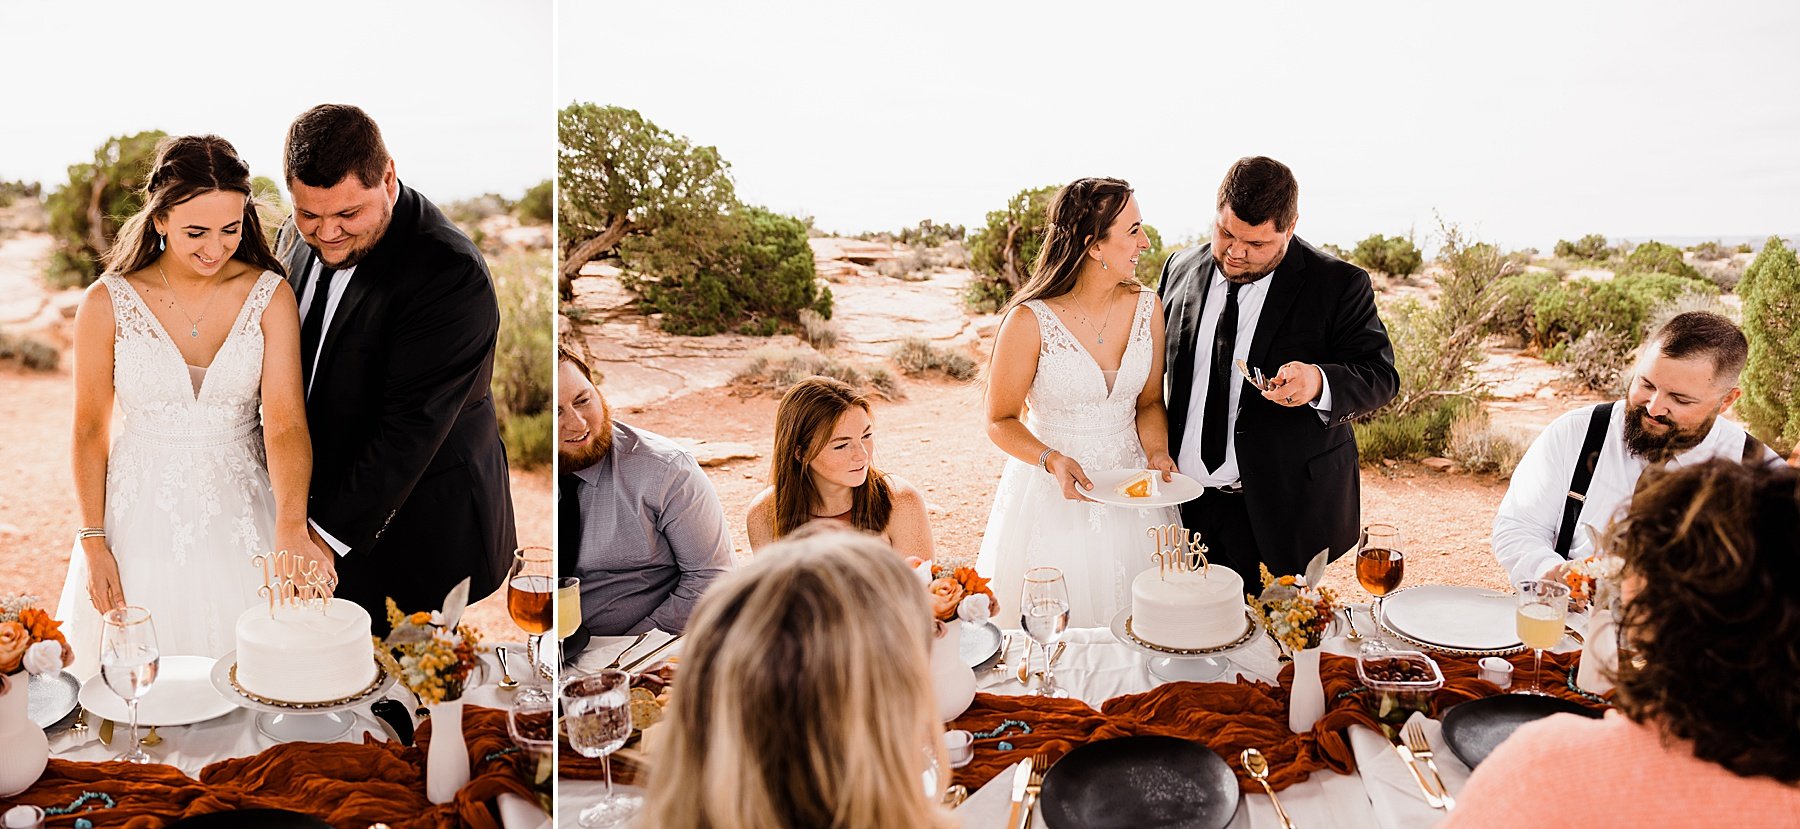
{"points": [[295, 722], [1184, 665]]}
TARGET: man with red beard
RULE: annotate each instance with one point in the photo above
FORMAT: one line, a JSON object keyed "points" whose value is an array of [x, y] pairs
{"points": [[638, 522], [1584, 467]]}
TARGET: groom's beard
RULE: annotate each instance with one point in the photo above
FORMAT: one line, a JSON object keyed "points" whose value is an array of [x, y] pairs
{"points": [[1672, 441], [361, 250], [593, 450]]}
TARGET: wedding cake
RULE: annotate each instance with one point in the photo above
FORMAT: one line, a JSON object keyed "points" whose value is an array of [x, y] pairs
{"points": [[1188, 609], [302, 652]]}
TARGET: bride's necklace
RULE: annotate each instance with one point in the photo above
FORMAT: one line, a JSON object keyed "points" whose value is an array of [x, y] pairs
{"points": [[193, 322], [1087, 319]]}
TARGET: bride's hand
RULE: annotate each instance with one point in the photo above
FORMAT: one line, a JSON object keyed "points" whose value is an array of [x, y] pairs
{"points": [[305, 546], [1161, 462], [104, 589], [1069, 476]]}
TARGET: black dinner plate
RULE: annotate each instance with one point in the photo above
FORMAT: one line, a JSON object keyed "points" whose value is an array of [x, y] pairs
{"points": [[1475, 728], [575, 644], [260, 818], [1140, 783]]}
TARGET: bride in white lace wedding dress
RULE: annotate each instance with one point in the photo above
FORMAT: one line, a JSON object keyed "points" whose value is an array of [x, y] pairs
{"points": [[1078, 416], [174, 512]]}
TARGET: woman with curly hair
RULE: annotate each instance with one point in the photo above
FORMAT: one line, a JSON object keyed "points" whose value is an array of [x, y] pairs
{"points": [[1707, 731]]}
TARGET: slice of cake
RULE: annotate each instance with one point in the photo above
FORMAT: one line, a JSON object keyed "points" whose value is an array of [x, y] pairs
{"points": [[1141, 485]]}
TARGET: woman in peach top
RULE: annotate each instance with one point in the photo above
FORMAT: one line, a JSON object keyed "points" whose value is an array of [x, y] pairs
{"points": [[1707, 733]]}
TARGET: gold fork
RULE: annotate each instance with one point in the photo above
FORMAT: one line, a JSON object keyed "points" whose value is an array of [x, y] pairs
{"points": [[1421, 748], [1039, 763]]}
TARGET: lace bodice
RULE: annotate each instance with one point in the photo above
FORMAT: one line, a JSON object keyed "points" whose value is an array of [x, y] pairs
{"points": [[153, 382], [1070, 395]]}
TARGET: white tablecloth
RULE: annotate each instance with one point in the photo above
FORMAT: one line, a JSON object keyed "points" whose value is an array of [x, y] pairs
{"points": [[1095, 668], [192, 747]]}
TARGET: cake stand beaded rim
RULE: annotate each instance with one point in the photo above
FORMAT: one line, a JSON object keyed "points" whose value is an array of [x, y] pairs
{"points": [[225, 681], [1122, 623]]}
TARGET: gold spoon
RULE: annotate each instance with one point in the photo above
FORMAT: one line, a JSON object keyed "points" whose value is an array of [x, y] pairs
{"points": [[1350, 619], [1258, 767], [507, 683], [151, 739]]}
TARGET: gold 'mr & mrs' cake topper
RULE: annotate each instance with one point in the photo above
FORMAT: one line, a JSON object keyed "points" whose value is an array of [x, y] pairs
{"points": [[291, 580], [1177, 550]]}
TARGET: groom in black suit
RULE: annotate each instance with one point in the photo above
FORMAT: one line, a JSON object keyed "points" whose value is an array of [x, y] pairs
{"points": [[398, 325], [1279, 464]]}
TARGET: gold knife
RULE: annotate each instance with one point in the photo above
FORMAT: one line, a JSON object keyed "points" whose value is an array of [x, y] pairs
{"points": [[106, 731], [1406, 756], [648, 659], [1021, 778]]}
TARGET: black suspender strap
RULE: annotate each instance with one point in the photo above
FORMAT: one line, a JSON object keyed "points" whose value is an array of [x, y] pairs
{"points": [[1584, 475]]}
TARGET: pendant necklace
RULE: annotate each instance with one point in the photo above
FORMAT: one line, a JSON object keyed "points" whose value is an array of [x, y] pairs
{"points": [[1088, 318], [193, 322]]}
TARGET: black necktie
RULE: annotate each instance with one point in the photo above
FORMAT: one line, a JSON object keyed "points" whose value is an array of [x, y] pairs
{"points": [[568, 522], [1218, 389], [314, 323]]}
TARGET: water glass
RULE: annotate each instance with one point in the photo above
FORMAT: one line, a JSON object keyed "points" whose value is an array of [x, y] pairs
{"points": [[129, 659], [597, 714], [1044, 614]]}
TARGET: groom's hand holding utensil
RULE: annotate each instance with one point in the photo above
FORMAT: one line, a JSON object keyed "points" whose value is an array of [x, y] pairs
{"points": [[1296, 384]]}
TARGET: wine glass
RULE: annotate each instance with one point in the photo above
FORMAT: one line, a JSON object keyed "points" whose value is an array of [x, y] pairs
{"points": [[530, 588], [1379, 562], [568, 606], [532, 725], [597, 714], [129, 660], [1543, 606], [1044, 613]]}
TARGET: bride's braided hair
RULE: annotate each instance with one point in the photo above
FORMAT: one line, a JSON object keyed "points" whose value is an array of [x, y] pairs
{"points": [[187, 166]]}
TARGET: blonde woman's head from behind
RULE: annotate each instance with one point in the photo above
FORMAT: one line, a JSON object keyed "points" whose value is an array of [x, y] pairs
{"points": [[804, 697]]}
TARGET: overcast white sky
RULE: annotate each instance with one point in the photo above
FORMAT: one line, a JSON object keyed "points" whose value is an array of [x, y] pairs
{"points": [[1524, 121], [461, 89]]}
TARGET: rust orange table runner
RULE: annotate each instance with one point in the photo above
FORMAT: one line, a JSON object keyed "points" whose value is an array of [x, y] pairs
{"points": [[347, 785]]}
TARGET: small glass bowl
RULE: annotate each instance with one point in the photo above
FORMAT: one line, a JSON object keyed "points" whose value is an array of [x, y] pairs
{"points": [[1399, 682]]}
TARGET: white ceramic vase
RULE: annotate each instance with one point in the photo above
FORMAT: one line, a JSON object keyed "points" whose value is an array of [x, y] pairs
{"points": [[952, 681], [24, 750], [1306, 700], [1599, 660], [447, 755]]}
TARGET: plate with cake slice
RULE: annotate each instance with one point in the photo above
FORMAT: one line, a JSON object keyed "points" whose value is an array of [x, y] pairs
{"points": [[1141, 488]]}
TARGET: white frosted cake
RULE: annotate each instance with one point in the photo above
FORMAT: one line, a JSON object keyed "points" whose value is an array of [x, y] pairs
{"points": [[300, 654], [1188, 609]]}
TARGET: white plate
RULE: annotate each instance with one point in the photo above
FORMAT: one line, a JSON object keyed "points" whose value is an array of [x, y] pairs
{"points": [[1454, 617], [979, 643], [183, 694], [1178, 491]]}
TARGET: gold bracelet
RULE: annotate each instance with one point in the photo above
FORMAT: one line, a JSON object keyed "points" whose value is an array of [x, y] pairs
{"points": [[90, 532]]}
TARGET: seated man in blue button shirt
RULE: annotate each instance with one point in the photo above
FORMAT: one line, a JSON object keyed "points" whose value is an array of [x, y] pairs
{"points": [[638, 521]]}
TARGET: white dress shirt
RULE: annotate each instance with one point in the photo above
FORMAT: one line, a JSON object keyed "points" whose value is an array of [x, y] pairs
{"points": [[1531, 513], [339, 281], [1250, 303]]}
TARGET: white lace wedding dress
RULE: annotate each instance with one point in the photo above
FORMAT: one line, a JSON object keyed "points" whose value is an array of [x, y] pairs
{"points": [[1072, 408], [188, 500]]}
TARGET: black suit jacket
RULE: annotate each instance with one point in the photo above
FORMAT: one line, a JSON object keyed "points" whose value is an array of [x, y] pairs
{"points": [[408, 467], [1300, 480]]}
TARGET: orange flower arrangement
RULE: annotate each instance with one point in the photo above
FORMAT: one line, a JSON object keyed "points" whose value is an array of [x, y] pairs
{"points": [[23, 628], [948, 589]]}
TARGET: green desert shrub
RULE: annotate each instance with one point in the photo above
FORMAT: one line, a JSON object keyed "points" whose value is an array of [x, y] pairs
{"points": [[1591, 246], [930, 234], [774, 371], [87, 210], [1150, 262], [750, 270], [1623, 303], [29, 351], [536, 206], [1003, 250], [1656, 257], [1597, 360], [1478, 445], [523, 360], [1770, 406], [916, 355], [1392, 255], [1515, 297], [1420, 433]]}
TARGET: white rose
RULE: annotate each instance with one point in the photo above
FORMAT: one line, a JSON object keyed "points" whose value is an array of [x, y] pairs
{"points": [[44, 658], [974, 609]]}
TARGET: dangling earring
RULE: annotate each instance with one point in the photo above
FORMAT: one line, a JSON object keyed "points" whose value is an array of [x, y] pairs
{"points": [[162, 242], [1104, 266]]}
